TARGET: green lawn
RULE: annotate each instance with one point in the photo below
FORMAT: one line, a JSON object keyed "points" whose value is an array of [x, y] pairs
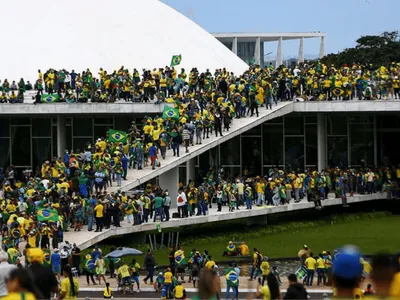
{"points": [[370, 235]]}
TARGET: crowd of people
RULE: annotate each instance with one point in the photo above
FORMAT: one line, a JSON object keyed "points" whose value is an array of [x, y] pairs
{"points": [[308, 81]]}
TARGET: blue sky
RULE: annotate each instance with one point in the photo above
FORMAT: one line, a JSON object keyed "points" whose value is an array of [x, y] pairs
{"points": [[343, 21]]}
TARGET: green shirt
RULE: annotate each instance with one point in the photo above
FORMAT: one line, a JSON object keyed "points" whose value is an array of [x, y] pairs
{"points": [[158, 201]]}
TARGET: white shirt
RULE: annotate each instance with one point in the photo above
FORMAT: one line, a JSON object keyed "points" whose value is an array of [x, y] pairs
{"points": [[64, 253], [45, 183], [183, 196], [5, 269]]}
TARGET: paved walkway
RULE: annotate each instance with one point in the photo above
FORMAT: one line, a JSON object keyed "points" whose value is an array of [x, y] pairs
{"points": [[84, 239]]}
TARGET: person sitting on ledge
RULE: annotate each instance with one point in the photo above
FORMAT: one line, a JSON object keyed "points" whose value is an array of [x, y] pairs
{"points": [[243, 249], [230, 250]]}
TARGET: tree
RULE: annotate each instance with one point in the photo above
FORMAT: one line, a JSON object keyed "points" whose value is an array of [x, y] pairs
{"points": [[370, 49]]}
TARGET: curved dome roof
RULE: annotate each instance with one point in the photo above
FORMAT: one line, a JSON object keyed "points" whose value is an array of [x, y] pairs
{"points": [[80, 34]]}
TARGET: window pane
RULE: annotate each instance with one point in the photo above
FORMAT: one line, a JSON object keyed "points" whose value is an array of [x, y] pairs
{"points": [[294, 152], [54, 132], [294, 125], [337, 152], [230, 152], [254, 131], [231, 172], [21, 146], [311, 145], [336, 125], [273, 144], [4, 127], [83, 127], [182, 174], [362, 144], [80, 144], [275, 121], [68, 134], [311, 119], [251, 155], [362, 119], [41, 127], [103, 121], [20, 121], [387, 154], [101, 131], [41, 151], [5, 152], [124, 123]]}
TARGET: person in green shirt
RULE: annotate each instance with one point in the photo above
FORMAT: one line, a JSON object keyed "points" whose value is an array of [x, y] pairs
{"points": [[158, 207]]}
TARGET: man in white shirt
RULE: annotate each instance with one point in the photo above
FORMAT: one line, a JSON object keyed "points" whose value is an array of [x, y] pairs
{"points": [[240, 190], [181, 202], [5, 269]]}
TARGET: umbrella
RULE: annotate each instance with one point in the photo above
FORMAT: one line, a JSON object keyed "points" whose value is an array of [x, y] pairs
{"points": [[120, 252]]}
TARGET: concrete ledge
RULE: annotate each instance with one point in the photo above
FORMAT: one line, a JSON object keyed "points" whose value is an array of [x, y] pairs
{"points": [[347, 106], [92, 238]]}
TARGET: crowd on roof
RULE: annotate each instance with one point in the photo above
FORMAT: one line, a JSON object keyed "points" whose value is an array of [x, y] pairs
{"points": [[305, 81]]}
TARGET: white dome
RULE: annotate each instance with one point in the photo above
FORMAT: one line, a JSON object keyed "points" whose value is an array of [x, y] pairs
{"points": [[80, 34]]}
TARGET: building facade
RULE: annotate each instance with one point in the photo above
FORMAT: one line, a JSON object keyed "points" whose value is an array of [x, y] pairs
{"points": [[296, 141]]}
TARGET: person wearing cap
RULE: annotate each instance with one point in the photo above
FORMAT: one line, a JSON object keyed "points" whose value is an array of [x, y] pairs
{"points": [[230, 250], [347, 272], [159, 282]]}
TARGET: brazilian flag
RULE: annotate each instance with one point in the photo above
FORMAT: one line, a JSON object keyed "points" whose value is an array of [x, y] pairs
{"points": [[232, 279], [50, 98], [117, 136], [47, 214], [337, 92], [248, 193], [170, 113], [176, 60]]}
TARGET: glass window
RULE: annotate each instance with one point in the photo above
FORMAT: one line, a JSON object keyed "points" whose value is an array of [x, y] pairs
{"points": [[83, 127], [80, 144], [387, 154], [182, 174], [311, 145], [5, 152], [383, 122], [275, 121], [68, 134], [41, 127], [101, 131], [4, 127], [251, 155], [362, 144], [294, 125], [294, 152], [214, 160], [336, 125], [230, 152], [41, 148], [124, 123], [273, 144], [54, 133], [254, 131], [20, 121], [311, 119], [362, 119], [231, 172], [103, 121], [337, 152], [21, 146]]}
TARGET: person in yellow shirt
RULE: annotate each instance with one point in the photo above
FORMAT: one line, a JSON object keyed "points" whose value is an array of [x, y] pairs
{"points": [[260, 187], [107, 293], [179, 291], [99, 212], [243, 249], [310, 263], [69, 285], [265, 269], [210, 264], [321, 270], [264, 292]]}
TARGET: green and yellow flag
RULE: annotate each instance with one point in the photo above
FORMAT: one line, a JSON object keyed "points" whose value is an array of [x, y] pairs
{"points": [[176, 60], [47, 214], [50, 98], [117, 136], [170, 113]]}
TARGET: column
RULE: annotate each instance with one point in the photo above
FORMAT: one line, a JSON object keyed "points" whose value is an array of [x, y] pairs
{"points": [[322, 47], [234, 45], [61, 136], [190, 170], [321, 135], [257, 52], [279, 59], [301, 51], [169, 181]]}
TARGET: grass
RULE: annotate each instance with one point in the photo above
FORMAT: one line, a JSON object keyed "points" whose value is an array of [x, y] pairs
{"points": [[371, 232]]}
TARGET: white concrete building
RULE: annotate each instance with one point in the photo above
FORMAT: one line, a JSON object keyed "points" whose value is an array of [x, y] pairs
{"points": [[250, 46]]}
